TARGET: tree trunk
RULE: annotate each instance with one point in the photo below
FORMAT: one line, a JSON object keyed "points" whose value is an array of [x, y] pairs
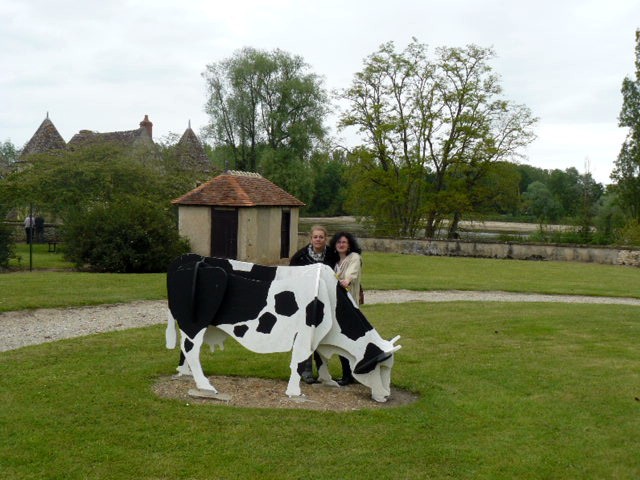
{"points": [[452, 232]]}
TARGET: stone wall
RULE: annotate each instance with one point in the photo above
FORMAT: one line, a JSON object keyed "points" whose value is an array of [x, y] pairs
{"points": [[518, 251], [19, 235]]}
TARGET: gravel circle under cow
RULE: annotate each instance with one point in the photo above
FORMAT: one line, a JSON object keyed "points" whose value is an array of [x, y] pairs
{"points": [[31, 327], [268, 393]]}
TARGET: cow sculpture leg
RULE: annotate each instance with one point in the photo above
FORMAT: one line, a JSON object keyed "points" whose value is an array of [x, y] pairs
{"points": [[191, 350], [323, 373], [380, 388], [300, 352]]}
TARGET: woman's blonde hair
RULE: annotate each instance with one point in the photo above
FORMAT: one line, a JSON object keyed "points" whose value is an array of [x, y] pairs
{"points": [[321, 228]]}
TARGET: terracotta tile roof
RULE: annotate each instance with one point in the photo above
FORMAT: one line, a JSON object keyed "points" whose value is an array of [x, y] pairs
{"points": [[238, 189]]}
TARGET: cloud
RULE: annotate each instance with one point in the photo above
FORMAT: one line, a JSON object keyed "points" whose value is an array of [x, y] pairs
{"points": [[104, 65]]}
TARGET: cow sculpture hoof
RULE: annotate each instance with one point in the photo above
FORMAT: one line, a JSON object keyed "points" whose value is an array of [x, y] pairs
{"points": [[329, 383], [210, 394], [379, 399], [301, 399]]}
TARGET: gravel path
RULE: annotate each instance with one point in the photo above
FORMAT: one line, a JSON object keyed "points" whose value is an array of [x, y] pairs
{"points": [[30, 327]]}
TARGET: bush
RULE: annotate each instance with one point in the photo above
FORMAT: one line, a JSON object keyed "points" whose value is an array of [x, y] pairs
{"points": [[126, 236], [630, 233], [6, 245]]}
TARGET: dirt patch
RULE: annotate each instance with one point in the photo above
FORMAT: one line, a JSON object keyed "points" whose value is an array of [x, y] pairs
{"points": [[266, 393]]}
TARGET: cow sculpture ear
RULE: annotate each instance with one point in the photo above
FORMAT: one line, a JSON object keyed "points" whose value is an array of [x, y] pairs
{"points": [[373, 355]]}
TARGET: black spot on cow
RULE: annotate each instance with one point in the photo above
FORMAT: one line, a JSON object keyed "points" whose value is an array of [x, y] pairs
{"points": [[254, 298], [286, 303], [373, 355], [240, 330], [353, 323], [195, 291], [188, 345], [315, 313], [266, 323]]}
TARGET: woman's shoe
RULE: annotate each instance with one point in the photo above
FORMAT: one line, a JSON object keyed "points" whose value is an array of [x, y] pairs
{"points": [[344, 381], [308, 378]]}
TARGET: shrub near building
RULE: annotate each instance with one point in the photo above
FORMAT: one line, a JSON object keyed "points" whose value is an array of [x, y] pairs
{"points": [[6, 244], [129, 235]]}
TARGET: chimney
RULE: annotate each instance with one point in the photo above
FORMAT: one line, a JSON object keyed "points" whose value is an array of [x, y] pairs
{"points": [[147, 125]]}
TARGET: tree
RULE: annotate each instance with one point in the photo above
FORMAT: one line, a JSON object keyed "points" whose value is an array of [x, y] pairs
{"points": [[431, 128], [497, 190], [540, 203], [6, 240], [65, 182], [8, 158], [115, 206], [329, 184], [626, 172], [608, 219], [268, 110]]}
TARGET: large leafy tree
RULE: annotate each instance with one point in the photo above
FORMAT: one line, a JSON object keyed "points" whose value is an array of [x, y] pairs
{"points": [[267, 109], [329, 183], [431, 130], [541, 203], [626, 171]]}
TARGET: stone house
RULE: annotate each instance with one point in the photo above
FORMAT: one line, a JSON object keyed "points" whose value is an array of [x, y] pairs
{"points": [[45, 139], [190, 150], [242, 216]]}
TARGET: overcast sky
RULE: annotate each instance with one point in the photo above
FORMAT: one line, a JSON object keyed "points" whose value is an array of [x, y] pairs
{"points": [[103, 65]]}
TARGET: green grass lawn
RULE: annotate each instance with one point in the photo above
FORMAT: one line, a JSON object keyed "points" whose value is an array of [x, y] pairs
{"points": [[38, 258], [510, 390], [416, 272], [521, 391]]}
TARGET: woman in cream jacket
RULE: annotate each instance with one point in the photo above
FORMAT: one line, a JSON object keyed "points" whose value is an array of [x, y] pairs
{"points": [[348, 271]]}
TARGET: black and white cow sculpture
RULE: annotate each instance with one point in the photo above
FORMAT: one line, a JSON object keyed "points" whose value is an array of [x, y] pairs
{"points": [[273, 309]]}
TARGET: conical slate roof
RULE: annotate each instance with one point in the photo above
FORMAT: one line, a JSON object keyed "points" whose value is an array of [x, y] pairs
{"points": [[238, 189], [45, 139], [191, 153]]}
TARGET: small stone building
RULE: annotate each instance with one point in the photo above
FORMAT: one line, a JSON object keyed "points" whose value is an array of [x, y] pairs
{"points": [[242, 216]]}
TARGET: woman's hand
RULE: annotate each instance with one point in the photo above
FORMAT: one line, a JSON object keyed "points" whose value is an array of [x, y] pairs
{"points": [[345, 283]]}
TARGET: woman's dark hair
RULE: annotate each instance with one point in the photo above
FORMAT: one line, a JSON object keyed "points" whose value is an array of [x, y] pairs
{"points": [[353, 243]]}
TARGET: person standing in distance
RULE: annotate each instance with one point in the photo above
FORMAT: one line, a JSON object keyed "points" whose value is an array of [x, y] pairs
{"points": [[29, 225], [314, 252]]}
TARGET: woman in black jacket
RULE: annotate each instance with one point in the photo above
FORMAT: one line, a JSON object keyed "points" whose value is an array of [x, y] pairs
{"points": [[315, 252]]}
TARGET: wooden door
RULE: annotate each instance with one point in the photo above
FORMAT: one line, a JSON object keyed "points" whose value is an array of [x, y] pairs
{"points": [[224, 233], [285, 234]]}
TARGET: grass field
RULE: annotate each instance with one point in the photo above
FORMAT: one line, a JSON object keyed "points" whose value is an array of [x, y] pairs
{"points": [[506, 391], [527, 390], [38, 257]]}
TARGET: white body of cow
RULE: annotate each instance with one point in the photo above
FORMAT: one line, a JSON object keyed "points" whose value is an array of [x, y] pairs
{"points": [[280, 326]]}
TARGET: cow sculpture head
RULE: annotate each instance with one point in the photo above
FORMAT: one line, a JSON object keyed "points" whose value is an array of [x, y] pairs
{"points": [[275, 309]]}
